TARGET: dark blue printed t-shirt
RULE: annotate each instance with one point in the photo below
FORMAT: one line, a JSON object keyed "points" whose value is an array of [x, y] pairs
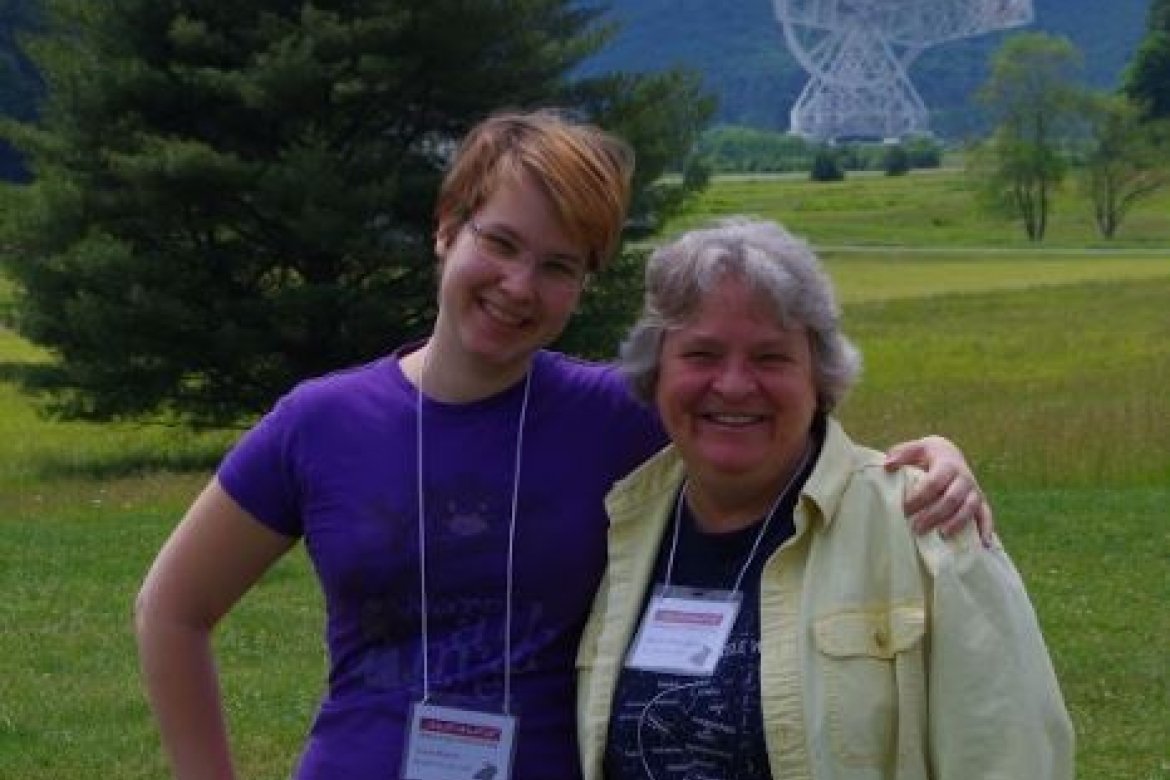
{"points": [[677, 727]]}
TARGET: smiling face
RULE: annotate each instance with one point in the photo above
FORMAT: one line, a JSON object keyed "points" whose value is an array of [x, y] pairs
{"points": [[494, 315], [736, 393]]}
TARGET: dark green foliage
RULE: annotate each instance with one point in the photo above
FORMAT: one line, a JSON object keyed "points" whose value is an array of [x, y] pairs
{"points": [[661, 114], [1147, 80], [1126, 160], [826, 166], [232, 196], [734, 149], [696, 173], [896, 161], [847, 156], [1159, 15], [607, 311]]}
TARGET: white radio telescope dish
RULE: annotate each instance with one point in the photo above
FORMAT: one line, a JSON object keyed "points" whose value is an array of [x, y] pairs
{"points": [[858, 55]]}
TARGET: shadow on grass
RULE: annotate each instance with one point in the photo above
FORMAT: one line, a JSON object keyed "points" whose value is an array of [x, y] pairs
{"points": [[15, 372], [115, 465], [177, 452]]}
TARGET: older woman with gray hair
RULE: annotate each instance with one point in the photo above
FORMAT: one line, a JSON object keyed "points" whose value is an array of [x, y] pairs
{"points": [[767, 612]]}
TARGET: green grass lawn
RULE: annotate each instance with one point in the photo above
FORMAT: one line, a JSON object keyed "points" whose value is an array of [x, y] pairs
{"points": [[868, 276], [1050, 369]]}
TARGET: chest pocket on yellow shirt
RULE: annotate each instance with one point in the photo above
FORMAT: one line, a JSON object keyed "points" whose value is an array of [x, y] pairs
{"points": [[857, 652]]}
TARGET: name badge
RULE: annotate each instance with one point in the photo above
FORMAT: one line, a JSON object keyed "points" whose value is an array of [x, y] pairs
{"points": [[448, 743], [684, 631]]}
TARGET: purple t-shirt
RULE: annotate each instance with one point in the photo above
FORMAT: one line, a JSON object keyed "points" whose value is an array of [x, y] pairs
{"points": [[336, 462]]}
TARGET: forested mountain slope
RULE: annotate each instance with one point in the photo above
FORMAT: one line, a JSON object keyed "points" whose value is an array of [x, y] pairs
{"points": [[739, 48]]}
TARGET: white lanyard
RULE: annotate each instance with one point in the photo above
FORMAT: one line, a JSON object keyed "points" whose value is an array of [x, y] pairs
{"points": [[422, 546], [759, 536], [684, 630]]}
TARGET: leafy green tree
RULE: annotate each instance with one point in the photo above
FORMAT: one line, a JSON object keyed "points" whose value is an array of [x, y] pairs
{"points": [[232, 196], [1147, 79], [1128, 160], [1034, 100]]}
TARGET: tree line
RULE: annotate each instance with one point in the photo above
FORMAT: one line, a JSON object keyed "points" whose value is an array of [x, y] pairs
{"points": [[737, 149]]}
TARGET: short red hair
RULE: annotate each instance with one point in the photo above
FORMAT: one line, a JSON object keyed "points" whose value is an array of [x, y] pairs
{"points": [[584, 171]]}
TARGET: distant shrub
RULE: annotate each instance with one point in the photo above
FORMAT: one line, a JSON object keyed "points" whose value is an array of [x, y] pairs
{"points": [[826, 167], [923, 152], [896, 161]]}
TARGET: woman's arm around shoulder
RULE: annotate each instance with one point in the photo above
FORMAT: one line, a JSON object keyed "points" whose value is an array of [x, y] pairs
{"points": [[995, 708], [948, 498], [211, 559]]}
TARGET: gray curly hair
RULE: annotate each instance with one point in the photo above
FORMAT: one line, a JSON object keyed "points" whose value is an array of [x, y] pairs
{"points": [[780, 268]]}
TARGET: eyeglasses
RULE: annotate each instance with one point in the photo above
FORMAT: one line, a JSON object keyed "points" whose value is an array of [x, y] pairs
{"points": [[554, 270]]}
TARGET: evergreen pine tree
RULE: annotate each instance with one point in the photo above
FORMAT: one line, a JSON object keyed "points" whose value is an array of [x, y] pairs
{"points": [[1147, 80], [232, 196]]}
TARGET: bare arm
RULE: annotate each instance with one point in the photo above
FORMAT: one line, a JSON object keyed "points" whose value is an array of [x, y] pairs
{"points": [[212, 558], [948, 496]]}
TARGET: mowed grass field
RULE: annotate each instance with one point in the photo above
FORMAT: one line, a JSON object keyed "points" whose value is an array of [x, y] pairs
{"points": [[1050, 367], [934, 208]]}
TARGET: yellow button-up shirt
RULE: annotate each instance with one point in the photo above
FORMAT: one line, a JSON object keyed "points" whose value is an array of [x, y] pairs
{"points": [[883, 655]]}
